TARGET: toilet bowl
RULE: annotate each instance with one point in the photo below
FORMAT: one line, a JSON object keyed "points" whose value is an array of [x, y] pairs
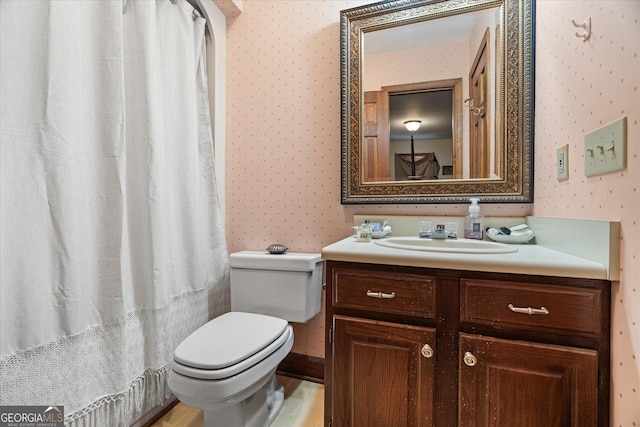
{"points": [[220, 367], [227, 367]]}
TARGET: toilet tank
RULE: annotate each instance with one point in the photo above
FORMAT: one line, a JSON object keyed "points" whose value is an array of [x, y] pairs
{"points": [[288, 286]]}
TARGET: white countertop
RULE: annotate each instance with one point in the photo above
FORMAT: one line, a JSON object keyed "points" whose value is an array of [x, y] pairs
{"points": [[529, 259]]}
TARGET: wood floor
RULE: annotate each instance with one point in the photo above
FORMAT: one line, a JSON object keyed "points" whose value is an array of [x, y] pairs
{"points": [[303, 407]]}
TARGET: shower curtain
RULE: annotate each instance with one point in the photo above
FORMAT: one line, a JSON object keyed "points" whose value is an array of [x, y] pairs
{"points": [[112, 247]]}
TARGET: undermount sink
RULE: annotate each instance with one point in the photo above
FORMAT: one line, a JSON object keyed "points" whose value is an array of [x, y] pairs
{"points": [[459, 246]]}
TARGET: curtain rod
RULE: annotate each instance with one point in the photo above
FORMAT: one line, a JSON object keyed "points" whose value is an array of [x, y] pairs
{"points": [[198, 7]]}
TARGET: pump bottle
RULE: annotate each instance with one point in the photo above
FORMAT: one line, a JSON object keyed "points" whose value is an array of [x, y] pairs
{"points": [[474, 222]]}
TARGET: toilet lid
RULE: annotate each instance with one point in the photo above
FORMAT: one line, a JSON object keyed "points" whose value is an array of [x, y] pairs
{"points": [[228, 340]]}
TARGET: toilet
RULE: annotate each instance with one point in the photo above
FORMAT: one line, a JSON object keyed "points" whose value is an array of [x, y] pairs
{"points": [[226, 368]]}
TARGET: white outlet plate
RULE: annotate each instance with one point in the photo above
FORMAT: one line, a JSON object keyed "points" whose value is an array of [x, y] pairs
{"points": [[562, 165], [606, 148]]}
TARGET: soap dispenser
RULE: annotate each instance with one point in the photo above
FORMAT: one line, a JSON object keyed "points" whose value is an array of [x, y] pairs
{"points": [[474, 224]]}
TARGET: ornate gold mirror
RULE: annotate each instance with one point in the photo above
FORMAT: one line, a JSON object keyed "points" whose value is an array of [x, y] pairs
{"points": [[437, 101]]}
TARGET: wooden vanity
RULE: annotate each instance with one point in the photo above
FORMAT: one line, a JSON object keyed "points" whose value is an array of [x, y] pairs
{"points": [[425, 346]]}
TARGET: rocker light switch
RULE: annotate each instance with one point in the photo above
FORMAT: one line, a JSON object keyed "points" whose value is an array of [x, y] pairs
{"points": [[606, 148], [562, 168]]}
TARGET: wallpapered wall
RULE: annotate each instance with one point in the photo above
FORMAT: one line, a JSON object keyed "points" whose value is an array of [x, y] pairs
{"points": [[283, 144], [581, 86], [426, 63]]}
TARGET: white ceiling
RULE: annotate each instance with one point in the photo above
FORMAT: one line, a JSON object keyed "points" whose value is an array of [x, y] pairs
{"points": [[450, 29]]}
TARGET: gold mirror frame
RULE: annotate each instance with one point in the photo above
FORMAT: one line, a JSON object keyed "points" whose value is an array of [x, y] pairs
{"points": [[514, 139]]}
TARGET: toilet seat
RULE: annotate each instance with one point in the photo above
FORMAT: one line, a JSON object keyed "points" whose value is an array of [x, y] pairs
{"points": [[230, 344]]}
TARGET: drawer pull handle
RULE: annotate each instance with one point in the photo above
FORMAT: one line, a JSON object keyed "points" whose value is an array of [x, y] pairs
{"points": [[380, 295], [469, 359], [528, 310], [427, 351]]}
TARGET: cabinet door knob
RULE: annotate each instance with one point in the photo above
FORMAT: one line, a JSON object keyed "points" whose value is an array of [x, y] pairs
{"points": [[427, 351], [381, 295], [470, 359]]}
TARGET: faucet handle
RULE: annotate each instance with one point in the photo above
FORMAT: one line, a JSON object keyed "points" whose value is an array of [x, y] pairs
{"points": [[451, 229]]}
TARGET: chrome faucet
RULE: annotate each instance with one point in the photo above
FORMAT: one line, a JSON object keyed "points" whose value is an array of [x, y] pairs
{"points": [[439, 233]]}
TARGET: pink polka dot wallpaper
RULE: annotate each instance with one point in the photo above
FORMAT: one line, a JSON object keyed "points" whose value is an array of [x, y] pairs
{"points": [[283, 144], [580, 87]]}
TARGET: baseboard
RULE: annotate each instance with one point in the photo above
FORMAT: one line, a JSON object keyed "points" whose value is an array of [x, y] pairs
{"points": [[302, 366], [161, 413]]}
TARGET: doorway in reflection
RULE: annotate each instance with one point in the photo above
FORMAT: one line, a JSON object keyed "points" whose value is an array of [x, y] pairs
{"points": [[433, 140], [439, 139]]}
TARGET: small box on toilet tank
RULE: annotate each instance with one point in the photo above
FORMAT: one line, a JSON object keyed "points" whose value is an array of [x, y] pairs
{"points": [[288, 286]]}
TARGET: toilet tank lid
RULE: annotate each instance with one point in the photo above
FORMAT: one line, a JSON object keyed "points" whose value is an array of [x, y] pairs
{"points": [[262, 260], [228, 339]]}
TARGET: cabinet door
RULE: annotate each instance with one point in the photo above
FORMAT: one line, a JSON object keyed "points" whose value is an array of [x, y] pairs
{"points": [[383, 374], [518, 383]]}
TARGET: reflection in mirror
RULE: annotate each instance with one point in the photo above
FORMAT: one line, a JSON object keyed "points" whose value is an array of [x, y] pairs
{"points": [[463, 68], [404, 63], [438, 107]]}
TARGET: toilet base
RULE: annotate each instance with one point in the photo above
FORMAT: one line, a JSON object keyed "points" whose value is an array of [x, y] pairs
{"points": [[258, 410], [275, 398]]}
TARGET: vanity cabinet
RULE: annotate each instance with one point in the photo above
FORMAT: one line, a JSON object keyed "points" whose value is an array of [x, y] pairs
{"points": [[386, 374], [524, 384], [409, 346]]}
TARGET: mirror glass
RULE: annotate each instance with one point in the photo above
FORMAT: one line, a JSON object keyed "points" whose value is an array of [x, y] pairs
{"points": [[461, 73]]}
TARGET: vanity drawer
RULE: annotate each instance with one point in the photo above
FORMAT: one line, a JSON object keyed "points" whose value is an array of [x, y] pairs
{"points": [[531, 306], [384, 291]]}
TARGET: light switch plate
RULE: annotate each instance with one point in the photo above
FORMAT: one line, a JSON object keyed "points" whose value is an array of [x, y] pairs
{"points": [[606, 148], [562, 165]]}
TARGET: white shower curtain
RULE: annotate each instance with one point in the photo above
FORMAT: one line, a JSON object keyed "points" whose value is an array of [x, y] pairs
{"points": [[112, 245]]}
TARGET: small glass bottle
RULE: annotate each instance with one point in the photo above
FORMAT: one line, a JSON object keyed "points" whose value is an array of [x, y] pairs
{"points": [[364, 233]]}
